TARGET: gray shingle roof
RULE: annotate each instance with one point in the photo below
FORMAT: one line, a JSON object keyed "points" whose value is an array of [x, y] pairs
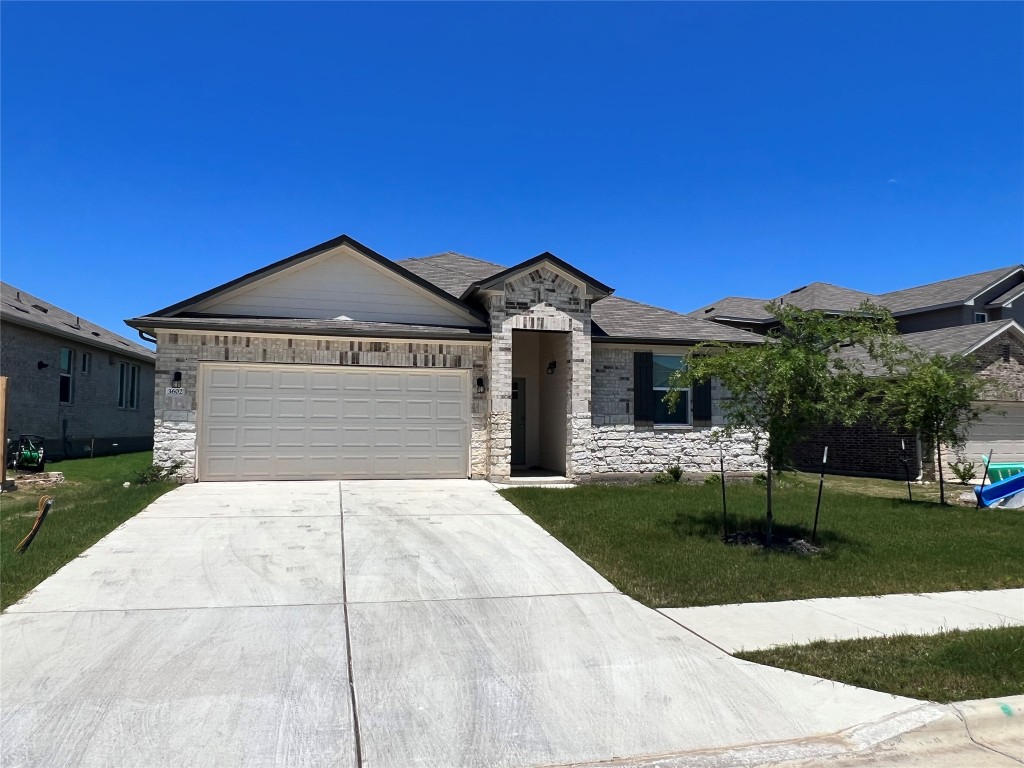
{"points": [[956, 340], [825, 297], [451, 272], [955, 290], [734, 306], [22, 308], [1010, 294], [613, 317]]}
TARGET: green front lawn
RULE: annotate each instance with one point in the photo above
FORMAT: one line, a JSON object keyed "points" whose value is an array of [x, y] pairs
{"points": [[660, 543], [88, 505], [953, 666]]}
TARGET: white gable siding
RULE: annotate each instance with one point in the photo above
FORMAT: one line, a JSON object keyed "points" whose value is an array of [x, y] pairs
{"points": [[339, 283]]}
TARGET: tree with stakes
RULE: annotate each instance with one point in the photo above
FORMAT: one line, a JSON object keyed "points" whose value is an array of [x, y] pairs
{"points": [[798, 379]]}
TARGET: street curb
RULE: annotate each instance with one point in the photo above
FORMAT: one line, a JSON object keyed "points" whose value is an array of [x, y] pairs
{"points": [[989, 723]]}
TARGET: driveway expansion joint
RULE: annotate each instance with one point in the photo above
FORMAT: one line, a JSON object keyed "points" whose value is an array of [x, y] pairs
{"points": [[348, 636]]}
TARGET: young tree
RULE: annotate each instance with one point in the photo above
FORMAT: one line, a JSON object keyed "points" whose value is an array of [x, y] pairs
{"points": [[935, 396], [798, 379]]}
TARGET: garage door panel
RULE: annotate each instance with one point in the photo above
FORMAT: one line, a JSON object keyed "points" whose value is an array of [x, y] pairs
{"points": [[451, 410], [1000, 430], [308, 422], [257, 407]]}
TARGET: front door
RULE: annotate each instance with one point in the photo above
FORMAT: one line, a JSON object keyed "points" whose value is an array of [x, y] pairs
{"points": [[518, 422]]}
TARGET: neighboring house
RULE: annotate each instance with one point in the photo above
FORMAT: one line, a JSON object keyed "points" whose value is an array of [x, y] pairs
{"points": [[980, 315], [340, 363], [84, 389]]}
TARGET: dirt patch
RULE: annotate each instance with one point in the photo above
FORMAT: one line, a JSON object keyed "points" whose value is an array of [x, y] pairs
{"points": [[779, 544]]}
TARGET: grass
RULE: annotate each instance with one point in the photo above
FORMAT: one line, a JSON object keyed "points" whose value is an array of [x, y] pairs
{"points": [[88, 505], [660, 543], [953, 666]]}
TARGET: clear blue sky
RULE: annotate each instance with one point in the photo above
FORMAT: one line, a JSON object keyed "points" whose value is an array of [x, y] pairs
{"points": [[677, 152]]}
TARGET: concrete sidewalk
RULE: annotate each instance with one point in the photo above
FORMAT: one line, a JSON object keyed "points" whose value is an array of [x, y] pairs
{"points": [[754, 626]]}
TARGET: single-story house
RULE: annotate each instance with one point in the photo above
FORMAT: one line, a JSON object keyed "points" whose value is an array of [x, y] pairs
{"points": [[85, 390], [340, 363]]}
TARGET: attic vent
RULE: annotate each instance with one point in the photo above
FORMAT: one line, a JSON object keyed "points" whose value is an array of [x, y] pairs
{"points": [[797, 290], [1006, 353], [709, 309], [94, 333], [123, 344], [20, 309], [40, 308]]}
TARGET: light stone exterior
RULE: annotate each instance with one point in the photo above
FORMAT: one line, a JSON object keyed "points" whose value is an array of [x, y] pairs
{"points": [[175, 419], [600, 437]]}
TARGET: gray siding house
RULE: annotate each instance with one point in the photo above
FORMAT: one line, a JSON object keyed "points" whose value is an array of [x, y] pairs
{"points": [[340, 363], [84, 389]]}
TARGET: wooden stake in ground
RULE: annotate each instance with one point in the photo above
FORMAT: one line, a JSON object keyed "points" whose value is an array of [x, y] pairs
{"points": [[45, 503], [817, 506], [3, 426]]}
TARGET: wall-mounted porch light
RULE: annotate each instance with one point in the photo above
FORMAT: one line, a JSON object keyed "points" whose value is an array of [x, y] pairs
{"points": [[176, 379], [40, 365], [480, 388], [551, 368]]}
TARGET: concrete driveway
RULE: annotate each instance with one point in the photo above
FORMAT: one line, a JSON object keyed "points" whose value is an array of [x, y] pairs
{"points": [[383, 624]]}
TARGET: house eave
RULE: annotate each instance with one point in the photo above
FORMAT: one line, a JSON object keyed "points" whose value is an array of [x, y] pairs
{"points": [[98, 343]]}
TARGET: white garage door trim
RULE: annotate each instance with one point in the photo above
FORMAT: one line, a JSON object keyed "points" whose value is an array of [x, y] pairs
{"points": [[266, 421], [1000, 430]]}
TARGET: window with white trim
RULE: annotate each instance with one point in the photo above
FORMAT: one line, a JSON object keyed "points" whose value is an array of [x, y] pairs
{"points": [[664, 367], [128, 386], [67, 373], [86, 362], [981, 317]]}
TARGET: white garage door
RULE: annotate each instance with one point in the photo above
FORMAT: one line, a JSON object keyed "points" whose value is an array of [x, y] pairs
{"points": [[1001, 431], [291, 422]]}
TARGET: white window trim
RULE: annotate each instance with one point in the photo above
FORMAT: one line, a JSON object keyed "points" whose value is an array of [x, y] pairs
{"points": [[85, 363], [982, 315], [128, 374], [68, 374]]}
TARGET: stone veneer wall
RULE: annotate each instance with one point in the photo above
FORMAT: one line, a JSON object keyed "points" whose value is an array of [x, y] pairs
{"points": [[538, 300], [175, 416], [614, 445]]}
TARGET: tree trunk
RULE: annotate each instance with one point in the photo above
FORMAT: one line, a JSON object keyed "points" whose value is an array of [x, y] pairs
{"points": [[942, 489], [768, 463]]}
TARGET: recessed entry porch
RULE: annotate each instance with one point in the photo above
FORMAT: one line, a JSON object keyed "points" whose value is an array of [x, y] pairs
{"points": [[540, 402]]}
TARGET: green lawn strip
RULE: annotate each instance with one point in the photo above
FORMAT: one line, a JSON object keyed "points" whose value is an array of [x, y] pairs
{"points": [[87, 506], [953, 666], [660, 543]]}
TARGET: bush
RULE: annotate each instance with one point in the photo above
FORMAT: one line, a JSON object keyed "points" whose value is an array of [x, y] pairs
{"points": [[155, 473], [712, 480], [963, 469], [664, 478], [676, 472]]}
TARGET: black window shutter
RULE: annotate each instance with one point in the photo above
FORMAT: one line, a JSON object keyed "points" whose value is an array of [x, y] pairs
{"points": [[702, 404], [643, 387]]}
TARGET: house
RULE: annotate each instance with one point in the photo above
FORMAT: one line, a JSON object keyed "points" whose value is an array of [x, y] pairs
{"points": [[85, 390], [340, 363], [980, 315]]}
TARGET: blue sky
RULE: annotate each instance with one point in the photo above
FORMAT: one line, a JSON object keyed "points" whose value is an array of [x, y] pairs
{"points": [[677, 152]]}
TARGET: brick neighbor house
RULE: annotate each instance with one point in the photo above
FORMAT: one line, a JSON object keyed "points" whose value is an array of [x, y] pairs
{"points": [[84, 389], [340, 363], [980, 315]]}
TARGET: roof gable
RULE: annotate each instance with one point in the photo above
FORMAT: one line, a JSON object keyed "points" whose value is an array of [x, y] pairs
{"points": [[592, 287], [957, 290], [339, 279]]}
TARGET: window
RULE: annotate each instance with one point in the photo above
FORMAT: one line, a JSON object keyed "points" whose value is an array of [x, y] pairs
{"points": [[86, 365], [67, 371], [981, 317], [128, 386], [664, 367]]}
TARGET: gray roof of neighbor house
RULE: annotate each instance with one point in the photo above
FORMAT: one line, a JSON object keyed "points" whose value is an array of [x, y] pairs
{"points": [[614, 318], [821, 296], [22, 308], [954, 291], [955, 340]]}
